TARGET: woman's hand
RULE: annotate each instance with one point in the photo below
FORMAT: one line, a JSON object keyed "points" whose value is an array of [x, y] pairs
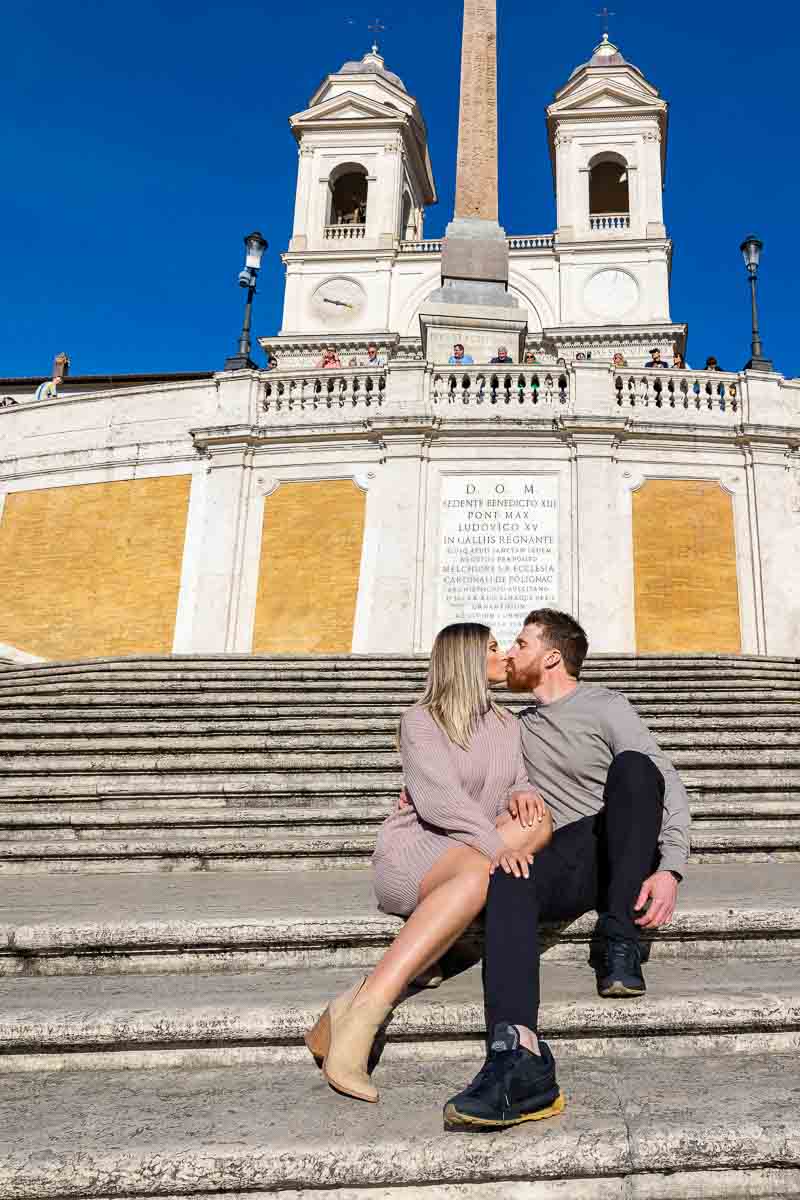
{"points": [[513, 862], [527, 807]]}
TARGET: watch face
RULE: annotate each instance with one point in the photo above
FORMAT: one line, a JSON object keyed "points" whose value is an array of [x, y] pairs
{"points": [[611, 293], [338, 300]]}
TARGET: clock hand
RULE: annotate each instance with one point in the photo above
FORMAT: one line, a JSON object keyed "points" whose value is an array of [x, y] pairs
{"points": [[338, 303]]}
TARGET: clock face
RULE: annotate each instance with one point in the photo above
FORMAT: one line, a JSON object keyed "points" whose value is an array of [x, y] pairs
{"points": [[611, 293], [338, 300]]}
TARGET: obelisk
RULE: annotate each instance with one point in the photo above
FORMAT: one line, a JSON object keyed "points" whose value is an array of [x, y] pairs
{"points": [[474, 293], [476, 171]]}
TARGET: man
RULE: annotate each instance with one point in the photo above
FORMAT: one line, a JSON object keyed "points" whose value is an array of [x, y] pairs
{"points": [[655, 360], [373, 358], [621, 843], [459, 359], [502, 356], [48, 390]]}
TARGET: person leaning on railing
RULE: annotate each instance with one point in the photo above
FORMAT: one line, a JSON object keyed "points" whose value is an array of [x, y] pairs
{"points": [[330, 358]]}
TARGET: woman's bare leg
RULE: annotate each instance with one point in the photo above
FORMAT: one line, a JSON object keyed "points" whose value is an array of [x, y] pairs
{"points": [[451, 895]]}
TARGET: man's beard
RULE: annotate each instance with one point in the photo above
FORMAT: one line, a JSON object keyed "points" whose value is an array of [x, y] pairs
{"points": [[523, 681]]}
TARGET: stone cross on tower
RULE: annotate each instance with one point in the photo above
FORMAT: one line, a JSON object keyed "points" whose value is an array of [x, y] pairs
{"points": [[476, 175]]}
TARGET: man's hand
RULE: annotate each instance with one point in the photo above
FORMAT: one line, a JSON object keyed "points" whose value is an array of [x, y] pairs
{"points": [[527, 807], [661, 890], [404, 801], [513, 862]]}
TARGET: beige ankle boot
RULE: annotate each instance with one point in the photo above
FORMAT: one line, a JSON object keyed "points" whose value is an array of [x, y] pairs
{"points": [[343, 1038]]}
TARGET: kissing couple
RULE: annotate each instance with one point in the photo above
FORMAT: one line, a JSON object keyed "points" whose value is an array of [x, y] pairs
{"points": [[568, 809]]}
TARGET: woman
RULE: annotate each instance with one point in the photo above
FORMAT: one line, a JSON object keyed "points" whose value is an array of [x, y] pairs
{"points": [[330, 358], [470, 810], [619, 362], [679, 362], [530, 358]]}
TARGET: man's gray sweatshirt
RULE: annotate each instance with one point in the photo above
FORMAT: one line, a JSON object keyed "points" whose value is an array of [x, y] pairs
{"points": [[568, 746]]}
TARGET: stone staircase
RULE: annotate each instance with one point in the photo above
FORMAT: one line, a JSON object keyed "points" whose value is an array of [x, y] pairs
{"points": [[184, 848], [213, 763]]}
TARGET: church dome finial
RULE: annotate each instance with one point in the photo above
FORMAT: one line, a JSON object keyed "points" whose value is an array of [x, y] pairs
{"points": [[373, 63]]}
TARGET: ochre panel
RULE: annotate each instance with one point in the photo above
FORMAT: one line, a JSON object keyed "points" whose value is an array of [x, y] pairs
{"points": [[93, 570], [684, 553], [310, 562]]}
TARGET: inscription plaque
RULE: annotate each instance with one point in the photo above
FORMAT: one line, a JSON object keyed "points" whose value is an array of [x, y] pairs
{"points": [[498, 553]]}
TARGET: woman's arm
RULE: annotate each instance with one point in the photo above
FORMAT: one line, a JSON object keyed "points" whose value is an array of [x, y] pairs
{"points": [[434, 788]]}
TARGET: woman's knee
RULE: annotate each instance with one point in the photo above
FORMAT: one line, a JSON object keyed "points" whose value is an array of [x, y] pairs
{"points": [[476, 878]]}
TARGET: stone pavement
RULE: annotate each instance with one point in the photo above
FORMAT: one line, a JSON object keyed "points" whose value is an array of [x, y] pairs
{"points": [[134, 1133]]}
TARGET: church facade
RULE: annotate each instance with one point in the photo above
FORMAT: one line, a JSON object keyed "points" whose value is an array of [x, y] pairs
{"points": [[362, 506]]}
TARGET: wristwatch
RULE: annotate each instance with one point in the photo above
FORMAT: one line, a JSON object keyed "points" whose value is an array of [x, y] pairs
{"points": [[676, 875]]}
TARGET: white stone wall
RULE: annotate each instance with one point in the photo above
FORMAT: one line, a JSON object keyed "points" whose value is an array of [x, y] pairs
{"points": [[399, 447]]}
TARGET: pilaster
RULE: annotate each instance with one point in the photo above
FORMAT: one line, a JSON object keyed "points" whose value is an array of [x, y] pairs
{"points": [[386, 614]]}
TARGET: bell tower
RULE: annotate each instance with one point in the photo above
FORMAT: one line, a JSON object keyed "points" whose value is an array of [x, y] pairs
{"points": [[607, 131], [364, 180]]}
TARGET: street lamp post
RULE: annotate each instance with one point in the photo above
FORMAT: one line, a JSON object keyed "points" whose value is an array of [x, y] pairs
{"points": [[255, 245], [751, 249]]}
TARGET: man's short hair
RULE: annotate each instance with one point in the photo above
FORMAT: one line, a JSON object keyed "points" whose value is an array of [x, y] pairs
{"points": [[655, 350], [563, 633]]}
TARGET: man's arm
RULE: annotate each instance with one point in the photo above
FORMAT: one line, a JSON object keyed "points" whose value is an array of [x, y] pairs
{"points": [[627, 731]]}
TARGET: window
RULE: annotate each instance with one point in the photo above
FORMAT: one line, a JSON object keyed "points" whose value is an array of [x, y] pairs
{"points": [[408, 228], [348, 186], [608, 188]]}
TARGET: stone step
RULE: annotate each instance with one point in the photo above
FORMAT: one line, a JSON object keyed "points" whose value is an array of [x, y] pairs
{"points": [[352, 665], [327, 730], [312, 682], [294, 704], [707, 1126], [139, 1021], [306, 786], [213, 811], [274, 762], [315, 847], [139, 923], [13, 743]]}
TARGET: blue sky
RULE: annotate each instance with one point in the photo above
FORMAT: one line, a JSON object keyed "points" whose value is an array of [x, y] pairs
{"points": [[140, 143]]}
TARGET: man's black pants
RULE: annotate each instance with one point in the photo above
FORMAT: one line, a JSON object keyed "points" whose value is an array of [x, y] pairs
{"points": [[599, 862]]}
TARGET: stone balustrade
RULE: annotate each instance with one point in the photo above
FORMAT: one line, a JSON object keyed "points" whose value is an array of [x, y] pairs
{"points": [[609, 222], [531, 241], [344, 233], [349, 388], [427, 246], [680, 397], [683, 392], [506, 390]]}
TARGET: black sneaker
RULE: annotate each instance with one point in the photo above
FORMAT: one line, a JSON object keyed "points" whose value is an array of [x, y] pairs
{"points": [[620, 972], [512, 1086]]}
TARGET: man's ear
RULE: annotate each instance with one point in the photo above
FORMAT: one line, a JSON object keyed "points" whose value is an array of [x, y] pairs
{"points": [[553, 658]]}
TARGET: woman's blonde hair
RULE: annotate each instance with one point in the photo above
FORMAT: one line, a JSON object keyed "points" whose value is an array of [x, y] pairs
{"points": [[457, 693]]}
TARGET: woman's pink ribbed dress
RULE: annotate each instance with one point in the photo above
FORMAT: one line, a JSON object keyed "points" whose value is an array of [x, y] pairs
{"points": [[456, 797]]}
